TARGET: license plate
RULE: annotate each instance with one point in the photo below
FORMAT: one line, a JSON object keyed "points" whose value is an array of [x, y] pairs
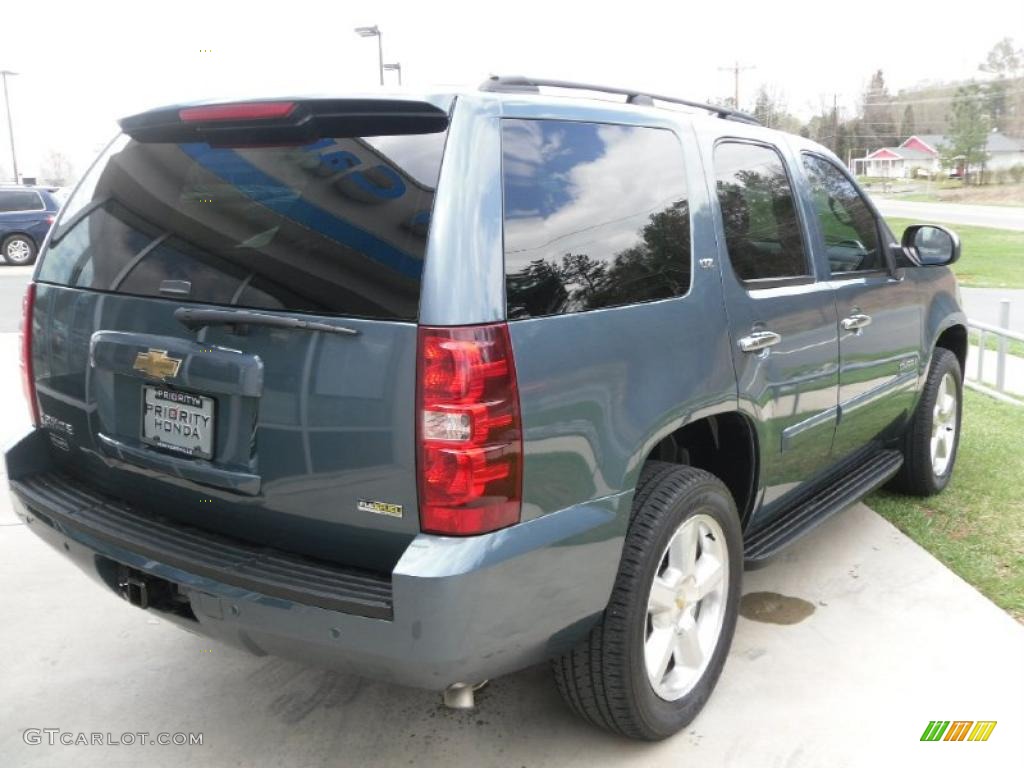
{"points": [[178, 421]]}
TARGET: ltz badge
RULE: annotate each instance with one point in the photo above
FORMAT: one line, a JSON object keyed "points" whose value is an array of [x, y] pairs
{"points": [[380, 508]]}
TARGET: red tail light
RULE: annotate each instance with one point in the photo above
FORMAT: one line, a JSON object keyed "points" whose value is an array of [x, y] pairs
{"points": [[257, 110], [470, 433], [28, 382]]}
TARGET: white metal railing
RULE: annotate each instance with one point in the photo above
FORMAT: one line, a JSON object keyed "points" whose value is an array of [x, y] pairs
{"points": [[1003, 336]]}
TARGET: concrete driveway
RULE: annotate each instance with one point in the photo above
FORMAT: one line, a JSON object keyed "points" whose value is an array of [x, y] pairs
{"points": [[885, 640], [1000, 216], [12, 288]]}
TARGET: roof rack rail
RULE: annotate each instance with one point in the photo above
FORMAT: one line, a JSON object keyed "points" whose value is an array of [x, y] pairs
{"points": [[520, 84]]}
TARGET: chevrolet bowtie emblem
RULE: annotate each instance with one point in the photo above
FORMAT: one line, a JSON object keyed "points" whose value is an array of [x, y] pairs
{"points": [[156, 364]]}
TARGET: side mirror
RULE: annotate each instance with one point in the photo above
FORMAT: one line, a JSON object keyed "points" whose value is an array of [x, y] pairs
{"points": [[929, 245]]}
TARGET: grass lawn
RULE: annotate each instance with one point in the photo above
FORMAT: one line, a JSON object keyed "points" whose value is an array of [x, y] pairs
{"points": [[992, 258], [976, 526], [948, 191], [934, 197]]}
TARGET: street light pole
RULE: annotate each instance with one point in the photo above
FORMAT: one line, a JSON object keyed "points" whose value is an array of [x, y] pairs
{"points": [[380, 55], [396, 67], [10, 125], [374, 31]]}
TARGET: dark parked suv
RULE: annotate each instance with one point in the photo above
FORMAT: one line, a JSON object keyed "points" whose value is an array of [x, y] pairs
{"points": [[435, 388], [26, 214]]}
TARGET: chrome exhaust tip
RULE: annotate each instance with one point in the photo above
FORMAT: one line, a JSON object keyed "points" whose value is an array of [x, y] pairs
{"points": [[461, 695]]}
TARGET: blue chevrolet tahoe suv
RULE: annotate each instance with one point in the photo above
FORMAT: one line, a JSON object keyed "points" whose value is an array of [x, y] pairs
{"points": [[436, 387], [26, 214]]}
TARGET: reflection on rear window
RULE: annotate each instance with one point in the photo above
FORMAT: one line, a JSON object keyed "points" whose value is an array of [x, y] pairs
{"points": [[334, 227]]}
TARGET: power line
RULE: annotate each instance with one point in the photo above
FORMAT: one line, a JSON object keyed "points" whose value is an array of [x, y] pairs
{"points": [[736, 69], [933, 99]]}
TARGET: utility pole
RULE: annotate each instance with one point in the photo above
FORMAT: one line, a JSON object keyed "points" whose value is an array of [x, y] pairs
{"points": [[835, 123], [10, 125], [736, 69]]}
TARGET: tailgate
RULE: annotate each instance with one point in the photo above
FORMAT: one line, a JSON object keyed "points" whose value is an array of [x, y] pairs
{"points": [[224, 329]]}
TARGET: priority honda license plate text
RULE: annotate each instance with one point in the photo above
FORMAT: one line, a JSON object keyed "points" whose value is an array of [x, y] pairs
{"points": [[178, 421]]}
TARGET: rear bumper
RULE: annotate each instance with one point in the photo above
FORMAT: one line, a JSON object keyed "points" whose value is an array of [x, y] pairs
{"points": [[453, 610]]}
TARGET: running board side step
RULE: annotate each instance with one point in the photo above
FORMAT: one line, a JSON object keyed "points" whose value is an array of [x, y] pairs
{"points": [[766, 541]]}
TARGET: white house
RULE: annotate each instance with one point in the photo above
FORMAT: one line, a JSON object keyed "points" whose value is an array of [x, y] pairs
{"points": [[922, 152]]}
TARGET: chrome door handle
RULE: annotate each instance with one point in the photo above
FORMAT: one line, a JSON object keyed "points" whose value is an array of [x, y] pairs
{"points": [[855, 322], [759, 340]]}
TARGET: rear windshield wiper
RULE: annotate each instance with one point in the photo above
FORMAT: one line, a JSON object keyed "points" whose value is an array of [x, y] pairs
{"points": [[194, 319]]}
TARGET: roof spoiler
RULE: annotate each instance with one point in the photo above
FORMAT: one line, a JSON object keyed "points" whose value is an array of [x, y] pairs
{"points": [[284, 121]]}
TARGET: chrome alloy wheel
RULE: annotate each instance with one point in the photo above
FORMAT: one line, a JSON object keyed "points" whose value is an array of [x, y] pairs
{"points": [[686, 607], [944, 425], [18, 251]]}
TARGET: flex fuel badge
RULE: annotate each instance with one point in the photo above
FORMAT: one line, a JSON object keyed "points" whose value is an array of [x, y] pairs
{"points": [[380, 508]]}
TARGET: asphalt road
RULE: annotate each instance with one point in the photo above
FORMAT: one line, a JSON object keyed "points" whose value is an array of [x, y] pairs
{"points": [[1000, 216], [887, 639], [12, 289], [983, 304]]}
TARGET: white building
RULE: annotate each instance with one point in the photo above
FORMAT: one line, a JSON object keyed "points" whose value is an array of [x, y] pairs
{"points": [[922, 153]]}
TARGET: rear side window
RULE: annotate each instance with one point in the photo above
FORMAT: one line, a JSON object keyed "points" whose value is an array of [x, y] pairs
{"points": [[338, 226], [847, 224], [762, 231], [12, 200], [596, 216]]}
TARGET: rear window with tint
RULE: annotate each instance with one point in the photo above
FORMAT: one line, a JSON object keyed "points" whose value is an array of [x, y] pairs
{"points": [[20, 200], [338, 226], [596, 215]]}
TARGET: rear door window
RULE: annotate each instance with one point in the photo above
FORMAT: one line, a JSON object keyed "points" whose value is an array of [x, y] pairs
{"points": [[762, 231], [14, 200], [338, 226], [596, 215]]}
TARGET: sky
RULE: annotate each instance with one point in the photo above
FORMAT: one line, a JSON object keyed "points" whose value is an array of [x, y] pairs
{"points": [[82, 65]]}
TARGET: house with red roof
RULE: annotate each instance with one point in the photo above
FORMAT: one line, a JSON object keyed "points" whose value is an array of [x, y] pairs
{"points": [[920, 154]]}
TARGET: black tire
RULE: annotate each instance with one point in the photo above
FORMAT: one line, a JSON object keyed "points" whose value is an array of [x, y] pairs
{"points": [[604, 679], [917, 476], [24, 247]]}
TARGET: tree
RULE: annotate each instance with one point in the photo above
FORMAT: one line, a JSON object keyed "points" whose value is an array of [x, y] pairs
{"points": [[831, 127], [907, 128], [1002, 102], [931, 103], [57, 170], [968, 131], [844, 148], [654, 262], [1004, 60], [653, 268], [770, 109], [878, 123], [996, 103], [765, 106]]}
